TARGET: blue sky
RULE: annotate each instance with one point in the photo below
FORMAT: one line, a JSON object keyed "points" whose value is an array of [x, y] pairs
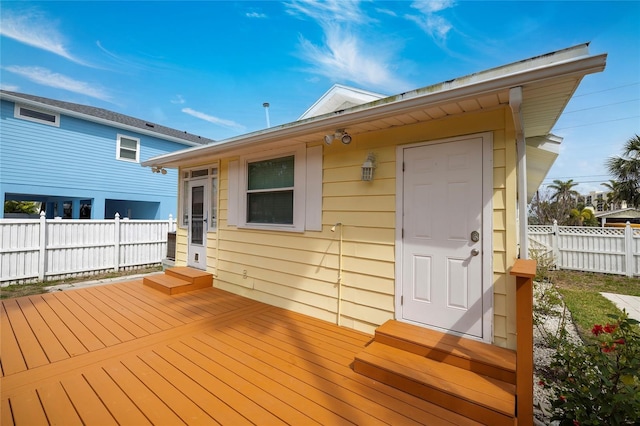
{"points": [[207, 67]]}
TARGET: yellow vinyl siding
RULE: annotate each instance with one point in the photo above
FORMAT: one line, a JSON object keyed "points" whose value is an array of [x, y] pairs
{"points": [[299, 271]]}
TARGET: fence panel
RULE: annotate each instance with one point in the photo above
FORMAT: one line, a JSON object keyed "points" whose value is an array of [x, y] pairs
{"points": [[19, 249], [41, 249], [591, 249]]}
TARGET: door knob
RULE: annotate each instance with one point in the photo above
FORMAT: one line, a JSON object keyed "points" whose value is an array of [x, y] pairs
{"points": [[475, 252]]}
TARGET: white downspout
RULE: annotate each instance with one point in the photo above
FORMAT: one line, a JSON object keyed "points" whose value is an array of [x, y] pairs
{"points": [[515, 102]]}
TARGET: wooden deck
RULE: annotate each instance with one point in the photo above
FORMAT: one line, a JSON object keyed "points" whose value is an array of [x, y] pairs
{"points": [[128, 354]]}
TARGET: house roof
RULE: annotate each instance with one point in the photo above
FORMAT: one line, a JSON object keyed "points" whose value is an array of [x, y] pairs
{"points": [[629, 213], [103, 116], [340, 97], [547, 82]]}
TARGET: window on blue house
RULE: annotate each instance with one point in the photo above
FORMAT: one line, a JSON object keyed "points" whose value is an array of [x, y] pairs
{"points": [[36, 115], [128, 149]]}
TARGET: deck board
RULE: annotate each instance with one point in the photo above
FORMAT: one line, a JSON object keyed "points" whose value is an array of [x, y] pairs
{"points": [[204, 357]]}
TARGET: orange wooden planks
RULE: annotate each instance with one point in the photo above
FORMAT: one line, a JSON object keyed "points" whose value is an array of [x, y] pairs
{"points": [[10, 355], [30, 348]]}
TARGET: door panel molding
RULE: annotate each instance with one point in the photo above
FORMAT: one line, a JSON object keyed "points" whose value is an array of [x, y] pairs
{"points": [[486, 228]]}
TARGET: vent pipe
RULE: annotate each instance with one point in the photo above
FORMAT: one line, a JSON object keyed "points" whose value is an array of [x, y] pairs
{"points": [[266, 111]]}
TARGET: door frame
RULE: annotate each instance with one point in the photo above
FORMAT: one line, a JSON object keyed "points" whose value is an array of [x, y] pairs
{"points": [[487, 228], [204, 182]]}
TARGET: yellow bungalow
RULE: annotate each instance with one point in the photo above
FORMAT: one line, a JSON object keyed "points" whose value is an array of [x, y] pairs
{"points": [[410, 207]]}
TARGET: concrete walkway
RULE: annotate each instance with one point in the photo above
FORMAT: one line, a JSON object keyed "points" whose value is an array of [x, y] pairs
{"points": [[630, 303]]}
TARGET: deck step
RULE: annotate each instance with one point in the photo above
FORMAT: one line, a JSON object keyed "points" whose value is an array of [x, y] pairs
{"points": [[476, 396], [179, 280], [489, 360]]}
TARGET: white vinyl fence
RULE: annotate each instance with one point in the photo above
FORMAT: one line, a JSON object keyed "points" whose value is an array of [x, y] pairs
{"points": [[586, 248], [46, 249]]}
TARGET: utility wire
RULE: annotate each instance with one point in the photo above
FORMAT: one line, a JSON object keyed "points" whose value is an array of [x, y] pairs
{"points": [[597, 122]]}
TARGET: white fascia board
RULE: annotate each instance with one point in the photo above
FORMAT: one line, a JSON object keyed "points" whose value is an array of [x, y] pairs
{"points": [[420, 98], [94, 119]]}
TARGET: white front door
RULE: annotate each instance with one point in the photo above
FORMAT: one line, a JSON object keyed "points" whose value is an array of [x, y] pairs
{"points": [[442, 234], [197, 224]]}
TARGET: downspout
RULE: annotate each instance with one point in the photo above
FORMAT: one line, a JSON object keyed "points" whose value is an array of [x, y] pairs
{"points": [[218, 227], [515, 102]]}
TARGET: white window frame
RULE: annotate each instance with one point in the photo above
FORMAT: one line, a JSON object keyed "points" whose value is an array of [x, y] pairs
{"points": [[17, 113], [299, 183], [137, 140]]}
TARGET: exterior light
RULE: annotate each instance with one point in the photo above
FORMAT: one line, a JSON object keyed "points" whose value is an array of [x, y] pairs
{"points": [[367, 167]]}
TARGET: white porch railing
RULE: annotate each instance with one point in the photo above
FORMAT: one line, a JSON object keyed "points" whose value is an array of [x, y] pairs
{"points": [[586, 248], [46, 249]]}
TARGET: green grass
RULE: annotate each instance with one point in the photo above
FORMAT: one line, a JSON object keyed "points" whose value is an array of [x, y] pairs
{"points": [[581, 294], [30, 289]]}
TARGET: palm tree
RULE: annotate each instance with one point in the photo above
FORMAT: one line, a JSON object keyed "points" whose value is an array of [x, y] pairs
{"points": [[626, 171], [583, 217], [564, 193], [614, 197]]}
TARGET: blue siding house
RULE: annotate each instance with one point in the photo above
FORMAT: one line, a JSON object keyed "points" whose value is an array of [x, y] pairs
{"points": [[83, 162]]}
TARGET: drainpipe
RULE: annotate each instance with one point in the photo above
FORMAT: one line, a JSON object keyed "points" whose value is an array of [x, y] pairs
{"points": [[333, 229], [515, 102]]}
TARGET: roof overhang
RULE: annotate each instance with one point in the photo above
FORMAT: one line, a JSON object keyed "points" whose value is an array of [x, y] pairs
{"points": [[547, 83]]}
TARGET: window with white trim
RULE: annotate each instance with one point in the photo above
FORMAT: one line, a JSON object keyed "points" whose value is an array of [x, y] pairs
{"points": [[272, 190], [128, 149], [36, 115]]}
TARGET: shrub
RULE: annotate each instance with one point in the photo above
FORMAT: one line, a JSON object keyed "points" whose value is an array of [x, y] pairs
{"points": [[598, 382]]}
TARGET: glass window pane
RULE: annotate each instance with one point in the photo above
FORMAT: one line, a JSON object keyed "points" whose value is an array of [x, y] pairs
{"points": [[199, 173], [270, 207], [38, 115], [125, 153], [128, 143], [274, 173], [214, 201]]}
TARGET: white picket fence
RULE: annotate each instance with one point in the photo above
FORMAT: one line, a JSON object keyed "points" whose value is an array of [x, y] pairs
{"points": [[586, 248], [47, 249]]}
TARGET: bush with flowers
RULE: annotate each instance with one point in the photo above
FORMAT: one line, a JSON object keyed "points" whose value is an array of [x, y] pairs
{"points": [[598, 382]]}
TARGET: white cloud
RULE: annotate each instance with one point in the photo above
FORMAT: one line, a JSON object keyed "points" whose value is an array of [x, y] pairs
{"points": [[343, 58], [434, 25], [211, 119], [32, 28], [178, 100], [432, 6], [51, 79], [255, 15], [9, 87], [329, 10], [344, 54]]}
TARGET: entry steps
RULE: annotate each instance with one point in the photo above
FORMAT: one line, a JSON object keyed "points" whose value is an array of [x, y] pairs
{"points": [[471, 378], [179, 279]]}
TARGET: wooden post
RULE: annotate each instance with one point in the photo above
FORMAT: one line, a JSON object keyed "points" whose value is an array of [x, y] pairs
{"points": [[524, 271]]}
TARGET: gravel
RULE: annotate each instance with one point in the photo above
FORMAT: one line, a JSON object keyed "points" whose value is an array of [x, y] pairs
{"points": [[543, 353]]}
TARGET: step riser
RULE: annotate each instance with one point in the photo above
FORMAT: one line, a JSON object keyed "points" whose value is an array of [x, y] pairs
{"points": [[448, 358], [179, 280], [434, 395]]}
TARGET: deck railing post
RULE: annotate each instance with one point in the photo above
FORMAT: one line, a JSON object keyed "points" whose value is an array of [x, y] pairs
{"points": [[524, 270], [42, 261], [116, 243]]}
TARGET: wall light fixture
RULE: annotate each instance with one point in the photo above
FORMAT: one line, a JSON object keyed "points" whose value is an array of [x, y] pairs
{"points": [[368, 166]]}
